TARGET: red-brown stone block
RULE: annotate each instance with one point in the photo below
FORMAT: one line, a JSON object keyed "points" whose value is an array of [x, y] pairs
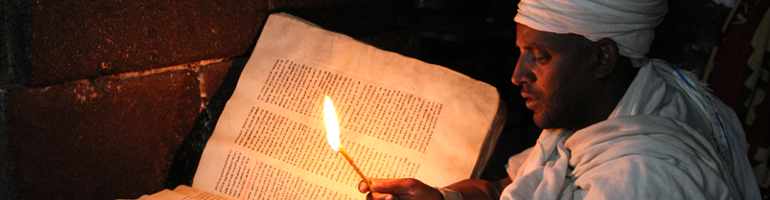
{"points": [[114, 137], [277, 4], [81, 39]]}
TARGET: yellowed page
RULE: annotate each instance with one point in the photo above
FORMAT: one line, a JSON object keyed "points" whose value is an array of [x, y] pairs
{"points": [[149, 197], [399, 117]]}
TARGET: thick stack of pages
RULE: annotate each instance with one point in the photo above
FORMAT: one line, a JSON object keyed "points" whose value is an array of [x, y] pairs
{"points": [[399, 117], [182, 192]]}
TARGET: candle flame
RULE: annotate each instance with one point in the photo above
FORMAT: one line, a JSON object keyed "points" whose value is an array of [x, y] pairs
{"points": [[332, 127]]}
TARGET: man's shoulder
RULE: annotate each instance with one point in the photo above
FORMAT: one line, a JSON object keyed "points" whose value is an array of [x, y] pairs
{"points": [[632, 130], [644, 176], [643, 140]]}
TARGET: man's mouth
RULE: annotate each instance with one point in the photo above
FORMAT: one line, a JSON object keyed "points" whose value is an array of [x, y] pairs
{"points": [[531, 101]]}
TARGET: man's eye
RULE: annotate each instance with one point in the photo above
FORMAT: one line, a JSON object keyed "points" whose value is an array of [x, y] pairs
{"points": [[541, 60]]}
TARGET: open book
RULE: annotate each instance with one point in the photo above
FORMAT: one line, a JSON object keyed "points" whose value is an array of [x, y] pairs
{"points": [[399, 117]]}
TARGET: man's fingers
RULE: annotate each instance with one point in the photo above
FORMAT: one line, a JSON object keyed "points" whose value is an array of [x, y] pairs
{"points": [[362, 187], [396, 186], [381, 196], [396, 189], [379, 184]]}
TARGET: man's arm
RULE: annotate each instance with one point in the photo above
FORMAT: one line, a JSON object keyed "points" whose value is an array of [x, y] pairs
{"points": [[648, 177], [476, 189], [403, 189], [502, 183], [409, 188]]}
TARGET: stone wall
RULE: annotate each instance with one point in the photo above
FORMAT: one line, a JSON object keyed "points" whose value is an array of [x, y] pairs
{"points": [[112, 88]]}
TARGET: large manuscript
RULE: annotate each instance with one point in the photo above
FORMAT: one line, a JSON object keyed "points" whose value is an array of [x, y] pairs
{"points": [[399, 117]]}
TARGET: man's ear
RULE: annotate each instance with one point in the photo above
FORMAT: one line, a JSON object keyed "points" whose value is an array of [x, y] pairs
{"points": [[607, 51]]}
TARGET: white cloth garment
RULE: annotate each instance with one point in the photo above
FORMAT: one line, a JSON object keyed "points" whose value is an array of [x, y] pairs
{"points": [[666, 139], [629, 23]]}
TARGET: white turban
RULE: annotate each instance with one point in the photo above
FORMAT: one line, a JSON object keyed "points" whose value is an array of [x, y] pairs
{"points": [[629, 23]]}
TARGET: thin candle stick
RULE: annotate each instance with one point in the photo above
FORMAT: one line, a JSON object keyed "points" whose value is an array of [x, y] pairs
{"points": [[350, 160]]}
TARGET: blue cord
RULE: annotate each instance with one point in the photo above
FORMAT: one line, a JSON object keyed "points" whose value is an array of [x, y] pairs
{"points": [[721, 125]]}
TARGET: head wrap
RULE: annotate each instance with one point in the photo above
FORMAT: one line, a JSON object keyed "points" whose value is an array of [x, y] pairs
{"points": [[629, 23]]}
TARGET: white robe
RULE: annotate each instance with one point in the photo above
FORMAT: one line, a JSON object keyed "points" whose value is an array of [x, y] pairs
{"points": [[666, 139]]}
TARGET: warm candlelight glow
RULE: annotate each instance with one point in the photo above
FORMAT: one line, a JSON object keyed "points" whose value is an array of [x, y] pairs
{"points": [[332, 127], [333, 136]]}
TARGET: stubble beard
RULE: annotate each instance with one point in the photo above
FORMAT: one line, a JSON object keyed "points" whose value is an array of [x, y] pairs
{"points": [[558, 110]]}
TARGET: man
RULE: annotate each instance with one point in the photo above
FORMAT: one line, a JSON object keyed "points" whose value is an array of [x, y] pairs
{"points": [[616, 124]]}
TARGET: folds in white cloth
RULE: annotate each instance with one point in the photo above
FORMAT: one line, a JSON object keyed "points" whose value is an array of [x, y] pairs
{"points": [[666, 139], [629, 23]]}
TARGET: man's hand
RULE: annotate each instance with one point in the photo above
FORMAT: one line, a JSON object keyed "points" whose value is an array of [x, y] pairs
{"points": [[475, 189], [403, 189]]}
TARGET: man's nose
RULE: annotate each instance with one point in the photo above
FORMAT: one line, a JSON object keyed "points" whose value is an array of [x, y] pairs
{"points": [[521, 74]]}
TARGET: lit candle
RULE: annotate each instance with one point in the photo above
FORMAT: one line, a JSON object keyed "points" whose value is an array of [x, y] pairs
{"points": [[333, 136]]}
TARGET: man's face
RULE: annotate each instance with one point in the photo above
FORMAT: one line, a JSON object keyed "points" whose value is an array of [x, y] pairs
{"points": [[555, 72]]}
